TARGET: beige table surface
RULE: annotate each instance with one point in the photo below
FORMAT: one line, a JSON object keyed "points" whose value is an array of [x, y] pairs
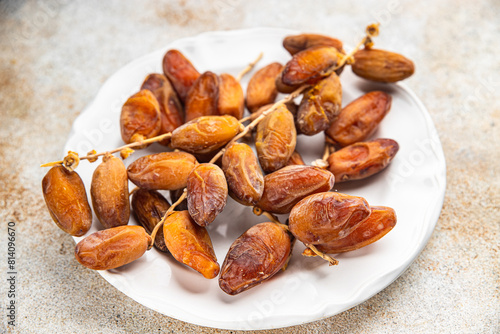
{"points": [[55, 55]]}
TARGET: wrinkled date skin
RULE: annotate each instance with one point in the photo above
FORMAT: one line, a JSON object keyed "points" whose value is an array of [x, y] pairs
{"points": [[66, 199], [359, 119], [297, 43], [206, 193], [243, 174], [261, 89], [231, 97], [310, 65], [190, 244], [203, 96], [287, 186], [381, 220], [205, 134], [256, 256], [320, 106], [327, 216], [361, 160], [140, 117], [113, 247], [381, 65], [148, 207], [162, 171], [276, 139], [172, 113], [181, 73], [109, 192]]}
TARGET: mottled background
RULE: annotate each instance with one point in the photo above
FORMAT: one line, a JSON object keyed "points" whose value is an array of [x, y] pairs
{"points": [[55, 55]]}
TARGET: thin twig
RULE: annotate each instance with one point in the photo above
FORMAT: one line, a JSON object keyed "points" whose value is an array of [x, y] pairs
{"points": [[249, 67], [331, 260], [165, 216], [131, 145]]}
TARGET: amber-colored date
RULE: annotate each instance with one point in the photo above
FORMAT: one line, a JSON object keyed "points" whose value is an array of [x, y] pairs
{"points": [[190, 244], [206, 193], [287, 186], [162, 171], [359, 119], [140, 117], [256, 256], [66, 199], [327, 216], [113, 247], [276, 139], [381, 65], [297, 43], [310, 65], [203, 96], [261, 89], [295, 159], [109, 192], [172, 113], [320, 106], [148, 207], [381, 220], [231, 97], [243, 174], [363, 159], [181, 73], [205, 134], [282, 87]]}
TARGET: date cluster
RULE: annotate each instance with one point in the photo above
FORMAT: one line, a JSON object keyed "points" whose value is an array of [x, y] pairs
{"points": [[208, 157]]}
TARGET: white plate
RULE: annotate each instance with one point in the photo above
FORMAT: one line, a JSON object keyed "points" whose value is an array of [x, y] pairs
{"points": [[309, 290]]}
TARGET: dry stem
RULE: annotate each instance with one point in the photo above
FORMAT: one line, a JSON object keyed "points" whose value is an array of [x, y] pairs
{"points": [[249, 67], [165, 216], [331, 260]]}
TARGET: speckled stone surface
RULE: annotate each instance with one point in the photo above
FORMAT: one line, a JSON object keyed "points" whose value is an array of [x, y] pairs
{"points": [[55, 55]]}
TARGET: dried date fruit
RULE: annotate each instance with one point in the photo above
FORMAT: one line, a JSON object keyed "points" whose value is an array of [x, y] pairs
{"points": [[282, 87], [287, 186], [310, 65], [261, 89], [203, 97], [231, 98], [66, 199], [206, 193], [363, 159], [171, 111], [205, 134], [140, 117], [295, 159], [190, 244], [359, 119], [149, 207], [276, 139], [256, 256], [381, 65], [162, 171], [297, 43], [181, 73], [243, 174], [320, 106], [327, 216], [381, 220], [113, 247], [109, 192]]}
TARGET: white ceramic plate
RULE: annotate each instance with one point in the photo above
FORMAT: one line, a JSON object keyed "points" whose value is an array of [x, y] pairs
{"points": [[309, 290]]}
